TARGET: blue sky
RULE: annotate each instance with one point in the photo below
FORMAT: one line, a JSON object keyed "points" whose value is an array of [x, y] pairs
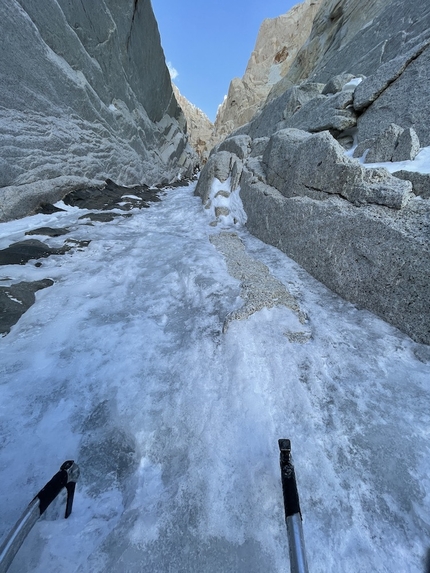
{"points": [[209, 43]]}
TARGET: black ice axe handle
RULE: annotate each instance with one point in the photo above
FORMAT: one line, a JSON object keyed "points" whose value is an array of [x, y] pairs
{"points": [[293, 514], [65, 478]]}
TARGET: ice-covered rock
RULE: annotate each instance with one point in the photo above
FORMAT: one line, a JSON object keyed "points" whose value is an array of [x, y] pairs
{"points": [[85, 93]]}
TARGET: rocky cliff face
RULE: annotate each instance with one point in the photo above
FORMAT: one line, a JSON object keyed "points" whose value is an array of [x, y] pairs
{"points": [[360, 83], [199, 127], [278, 42], [85, 94]]}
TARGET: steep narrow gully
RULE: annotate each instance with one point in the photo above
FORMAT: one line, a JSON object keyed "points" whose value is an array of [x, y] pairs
{"points": [[122, 364]]}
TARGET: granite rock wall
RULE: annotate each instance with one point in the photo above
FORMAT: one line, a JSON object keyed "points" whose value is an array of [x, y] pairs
{"points": [[85, 95], [359, 83]]}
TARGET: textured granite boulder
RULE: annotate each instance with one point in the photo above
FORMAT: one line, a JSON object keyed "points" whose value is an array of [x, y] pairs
{"points": [[408, 146], [240, 145], [258, 145], [374, 257], [420, 182], [300, 164], [393, 144], [325, 112], [85, 93], [220, 165]]}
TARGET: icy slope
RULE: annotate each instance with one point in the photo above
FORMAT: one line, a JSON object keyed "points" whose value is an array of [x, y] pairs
{"points": [[122, 366]]}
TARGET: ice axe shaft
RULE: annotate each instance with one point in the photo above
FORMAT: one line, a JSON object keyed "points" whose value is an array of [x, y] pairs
{"points": [[65, 478], [293, 516]]}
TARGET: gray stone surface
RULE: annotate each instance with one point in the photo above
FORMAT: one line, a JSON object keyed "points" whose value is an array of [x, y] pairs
{"points": [[357, 37], [335, 84], [259, 288], [240, 145], [382, 147], [374, 257], [279, 109], [16, 299], [420, 182], [85, 93], [372, 87], [404, 102], [325, 112], [221, 166], [300, 164], [408, 146], [258, 146]]}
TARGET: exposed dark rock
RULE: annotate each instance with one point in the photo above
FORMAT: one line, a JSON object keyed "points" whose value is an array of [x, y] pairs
{"points": [[16, 299], [48, 209], [48, 232], [112, 196], [103, 217], [24, 251]]}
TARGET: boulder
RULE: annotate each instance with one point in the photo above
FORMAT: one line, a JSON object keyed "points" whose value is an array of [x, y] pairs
{"points": [[258, 145], [393, 144], [374, 257], [325, 112], [408, 146], [335, 84], [381, 148], [221, 166], [300, 164], [240, 145], [420, 182]]}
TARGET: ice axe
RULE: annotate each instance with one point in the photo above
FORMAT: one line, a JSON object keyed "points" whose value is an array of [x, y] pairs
{"points": [[293, 515], [65, 478]]}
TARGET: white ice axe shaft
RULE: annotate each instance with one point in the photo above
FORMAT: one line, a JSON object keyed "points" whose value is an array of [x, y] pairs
{"points": [[66, 477], [293, 516]]}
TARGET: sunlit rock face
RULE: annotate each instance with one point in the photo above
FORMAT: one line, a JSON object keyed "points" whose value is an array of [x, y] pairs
{"points": [[199, 126], [358, 85], [85, 95], [278, 42]]}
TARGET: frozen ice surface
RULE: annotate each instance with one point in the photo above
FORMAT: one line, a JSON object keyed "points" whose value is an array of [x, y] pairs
{"points": [[122, 366]]}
